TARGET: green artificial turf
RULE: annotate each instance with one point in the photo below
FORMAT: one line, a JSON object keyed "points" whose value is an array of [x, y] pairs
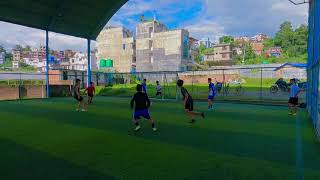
{"points": [[47, 139]]}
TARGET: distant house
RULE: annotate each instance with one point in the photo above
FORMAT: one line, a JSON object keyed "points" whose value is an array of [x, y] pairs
{"points": [[260, 37], [274, 51], [2, 57], [15, 64], [257, 47], [220, 55]]}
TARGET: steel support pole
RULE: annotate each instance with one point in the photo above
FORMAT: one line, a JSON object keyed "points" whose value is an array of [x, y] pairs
{"points": [[47, 65], [89, 63]]}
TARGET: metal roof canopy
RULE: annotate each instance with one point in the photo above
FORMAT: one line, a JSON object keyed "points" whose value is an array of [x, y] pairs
{"points": [[80, 18]]}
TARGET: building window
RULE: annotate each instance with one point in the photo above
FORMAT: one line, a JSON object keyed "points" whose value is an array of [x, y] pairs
{"points": [[224, 56], [224, 48], [151, 45], [124, 46], [151, 59]]}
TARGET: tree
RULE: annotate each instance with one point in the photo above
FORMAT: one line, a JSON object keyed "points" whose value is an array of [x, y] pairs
{"points": [[18, 47], [2, 50], [226, 40], [201, 51], [285, 38], [27, 48], [268, 44], [301, 39]]}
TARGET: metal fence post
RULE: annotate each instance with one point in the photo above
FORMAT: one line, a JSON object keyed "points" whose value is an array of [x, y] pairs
{"points": [[261, 74], [223, 84], [19, 86]]}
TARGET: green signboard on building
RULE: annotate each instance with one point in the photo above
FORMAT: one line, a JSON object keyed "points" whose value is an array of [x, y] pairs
{"points": [[106, 63]]}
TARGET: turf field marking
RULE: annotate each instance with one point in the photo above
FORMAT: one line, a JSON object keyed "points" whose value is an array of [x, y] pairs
{"points": [[299, 155]]}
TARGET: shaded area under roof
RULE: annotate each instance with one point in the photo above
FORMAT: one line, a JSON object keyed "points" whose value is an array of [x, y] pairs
{"points": [[80, 18]]}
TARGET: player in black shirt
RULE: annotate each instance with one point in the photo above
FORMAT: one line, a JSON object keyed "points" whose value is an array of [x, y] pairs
{"points": [[142, 104], [188, 102], [78, 97]]}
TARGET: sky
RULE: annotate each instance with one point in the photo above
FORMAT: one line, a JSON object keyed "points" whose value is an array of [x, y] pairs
{"points": [[202, 18]]}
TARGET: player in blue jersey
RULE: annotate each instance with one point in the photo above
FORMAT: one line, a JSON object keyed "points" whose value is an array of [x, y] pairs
{"points": [[294, 97], [212, 94], [144, 86], [141, 103]]}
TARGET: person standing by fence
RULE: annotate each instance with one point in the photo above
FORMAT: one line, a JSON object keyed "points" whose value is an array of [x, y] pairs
{"points": [[159, 89], [212, 94]]}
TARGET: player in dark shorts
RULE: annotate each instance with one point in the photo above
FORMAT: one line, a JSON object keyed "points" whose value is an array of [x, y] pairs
{"points": [[91, 91], [188, 103], [78, 97], [294, 97], [142, 103], [212, 94]]}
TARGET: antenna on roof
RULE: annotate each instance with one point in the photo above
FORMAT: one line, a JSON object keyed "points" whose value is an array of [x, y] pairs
{"points": [[154, 16], [142, 18]]}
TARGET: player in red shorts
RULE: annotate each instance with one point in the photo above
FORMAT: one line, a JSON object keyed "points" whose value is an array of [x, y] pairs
{"points": [[91, 91]]}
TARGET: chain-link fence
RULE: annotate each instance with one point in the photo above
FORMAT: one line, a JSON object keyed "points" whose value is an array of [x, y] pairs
{"points": [[235, 84]]}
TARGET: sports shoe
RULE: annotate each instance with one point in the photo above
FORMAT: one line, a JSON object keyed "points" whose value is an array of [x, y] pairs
{"points": [[137, 128], [154, 129], [192, 121], [77, 110], [202, 115], [294, 114], [290, 113], [83, 110]]}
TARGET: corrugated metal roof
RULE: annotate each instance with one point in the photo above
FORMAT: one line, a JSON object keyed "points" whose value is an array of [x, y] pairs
{"points": [[80, 18]]}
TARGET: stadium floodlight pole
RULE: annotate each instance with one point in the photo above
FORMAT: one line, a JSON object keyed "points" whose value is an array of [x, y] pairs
{"points": [[89, 63], [47, 65]]}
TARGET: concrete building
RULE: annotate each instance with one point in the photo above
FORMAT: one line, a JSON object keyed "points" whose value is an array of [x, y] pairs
{"points": [[78, 62], [2, 57], [260, 37], [15, 64], [17, 55], [221, 55], [117, 44], [160, 49], [257, 47], [274, 52]]}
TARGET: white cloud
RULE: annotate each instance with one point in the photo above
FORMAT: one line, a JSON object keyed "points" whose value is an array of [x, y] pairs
{"points": [[215, 18], [206, 29], [290, 9]]}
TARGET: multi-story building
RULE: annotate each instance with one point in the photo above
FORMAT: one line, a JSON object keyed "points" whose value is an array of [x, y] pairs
{"points": [[160, 49], [2, 57], [259, 37], [68, 54], [220, 55], [15, 64], [117, 44], [274, 51], [78, 62], [16, 55], [257, 47], [242, 40]]}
